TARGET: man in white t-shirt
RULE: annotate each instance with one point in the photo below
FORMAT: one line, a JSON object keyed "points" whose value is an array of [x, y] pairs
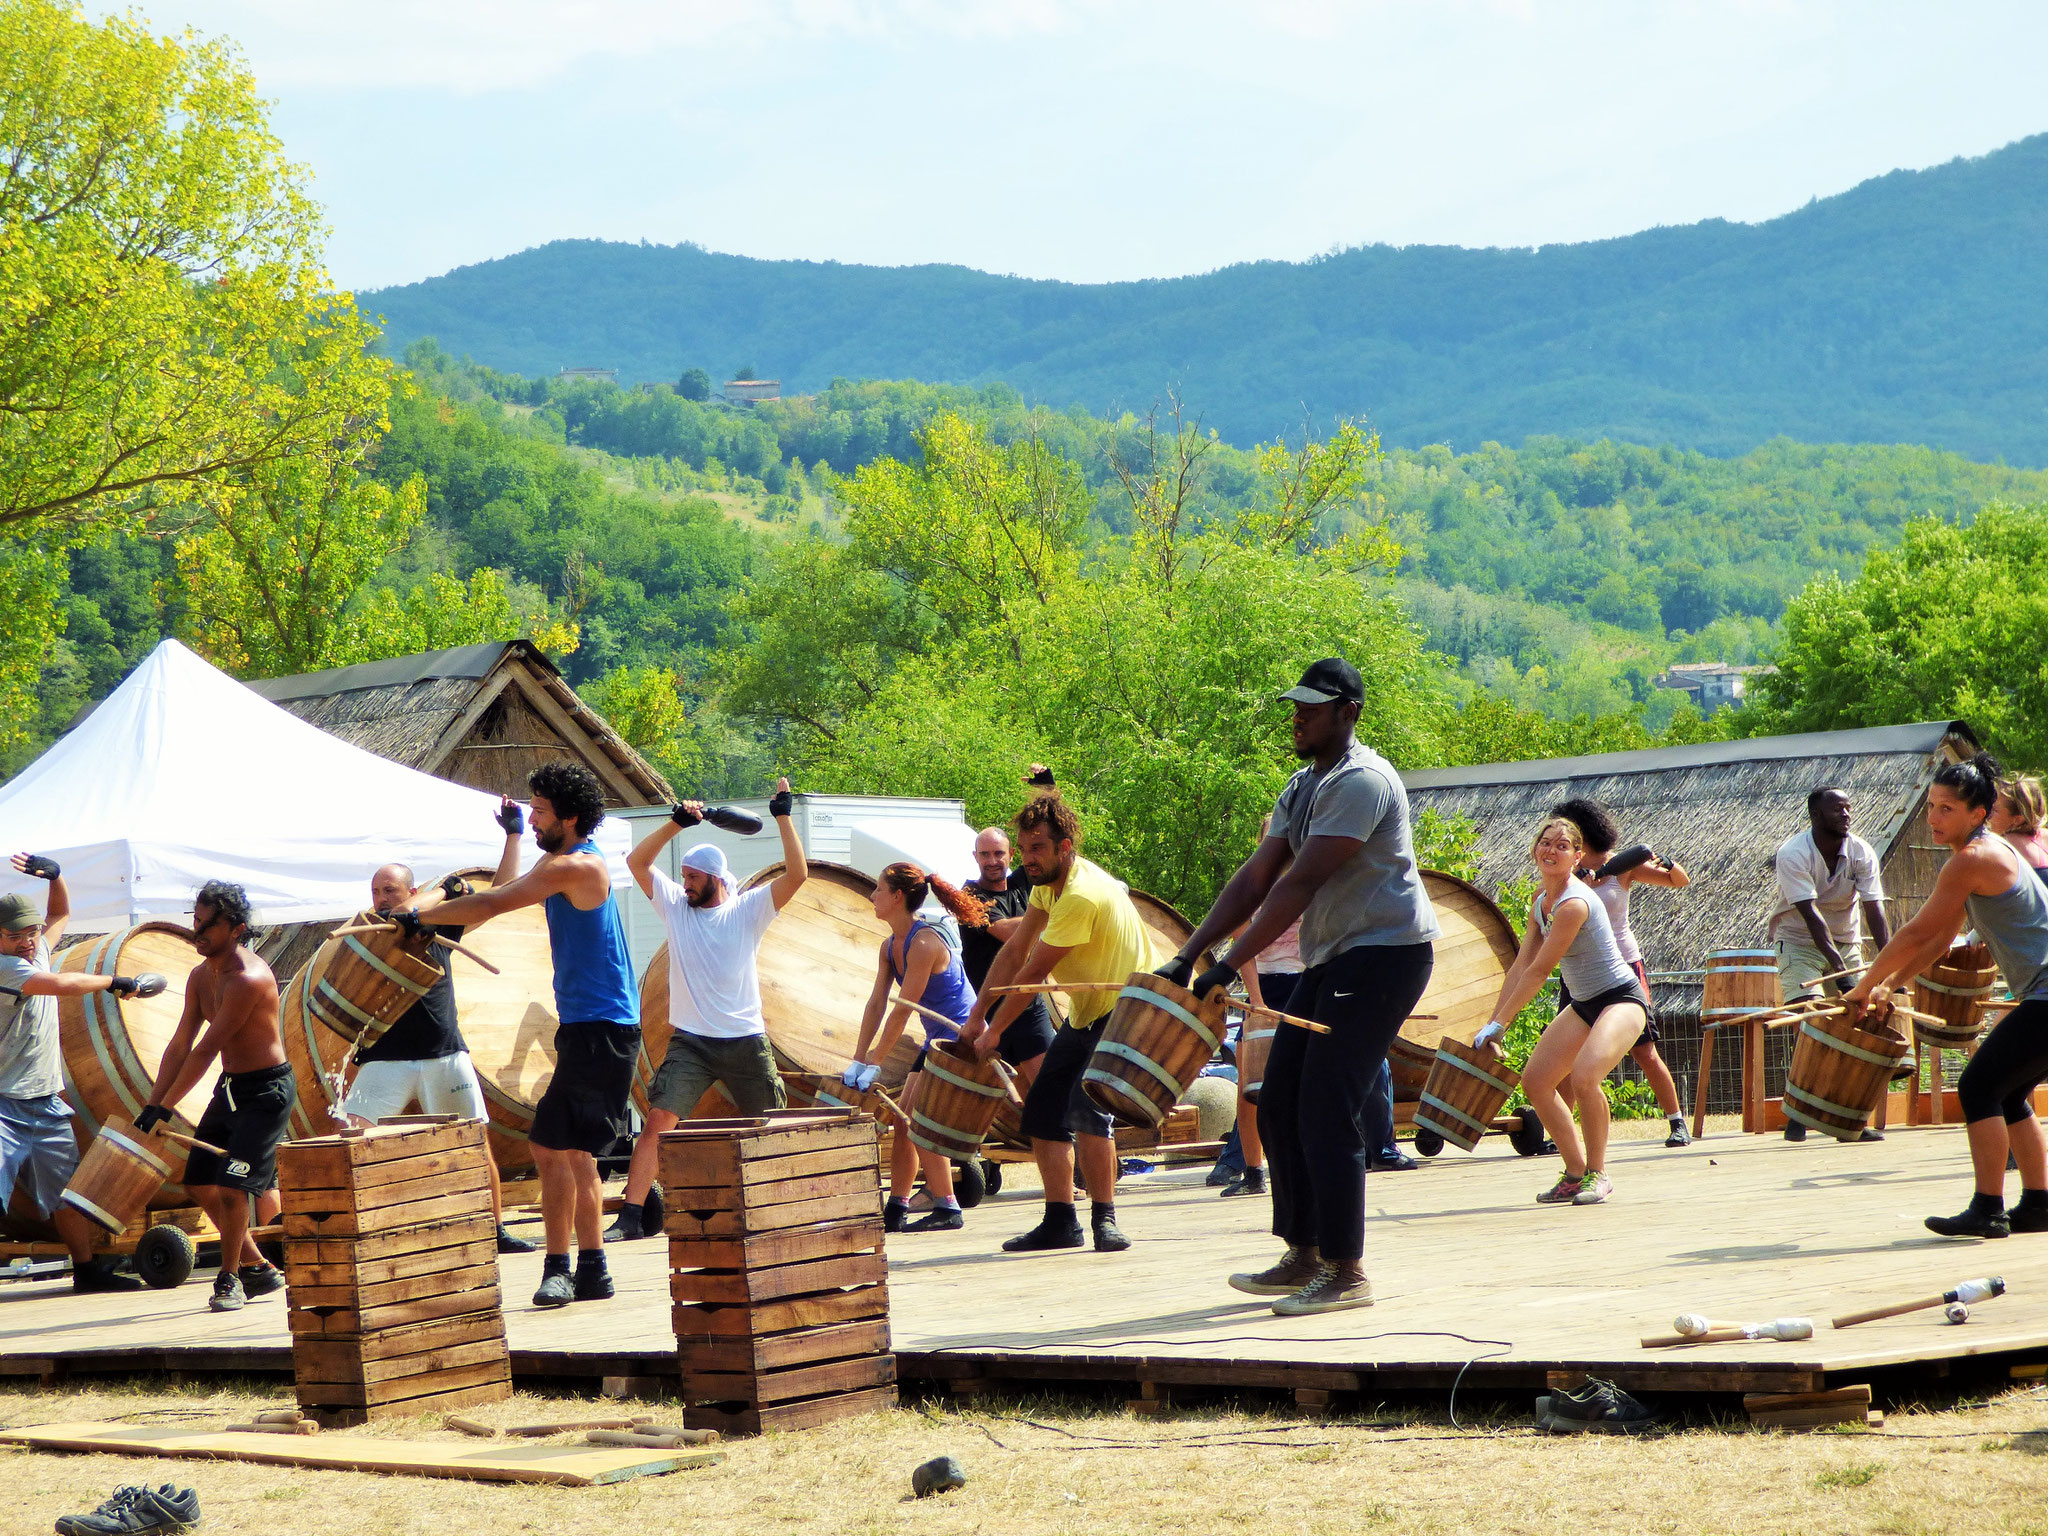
{"points": [[717, 1034], [1827, 879]]}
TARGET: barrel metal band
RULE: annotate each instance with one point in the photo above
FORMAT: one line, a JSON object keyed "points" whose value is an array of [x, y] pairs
{"points": [[1857, 1051], [1466, 1067], [932, 1066], [1828, 1105], [1449, 1130], [1737, 954], [328, 994], [1454, 1112], [940, 1138], [1743, 970], [110, 1042], [149, 1159], [1969, 992], [1146, 995], [416, 988], [1259, 1034], [1144, 1063], [1151, 1113], [104, 1218]]}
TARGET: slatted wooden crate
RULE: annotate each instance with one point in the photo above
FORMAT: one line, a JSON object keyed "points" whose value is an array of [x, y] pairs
{"points": [[777, 1276], [391, 1272]]}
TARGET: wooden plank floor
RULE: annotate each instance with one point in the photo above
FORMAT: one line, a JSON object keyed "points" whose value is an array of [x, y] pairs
{"points": [[1741, 1228]]}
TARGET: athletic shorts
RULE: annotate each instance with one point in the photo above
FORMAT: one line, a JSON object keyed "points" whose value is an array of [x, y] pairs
{"points": [[1591, 1009], [1055, 1108], [440, 1085], [1649, 1036], [743, 1065], [246, 1118], [584, 1108], [38, 1150], [1030, 1035]]}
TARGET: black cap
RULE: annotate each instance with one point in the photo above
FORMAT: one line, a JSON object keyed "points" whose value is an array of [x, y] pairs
{"points": [[1327, 681]]}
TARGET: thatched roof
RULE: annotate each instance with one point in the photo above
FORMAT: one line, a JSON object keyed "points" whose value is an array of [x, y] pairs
{"points": [[1721, 810], [477, 714]]}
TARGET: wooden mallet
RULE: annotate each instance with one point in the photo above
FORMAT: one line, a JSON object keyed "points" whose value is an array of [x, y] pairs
{"points": [[1783, 1329], [1968, 1291]]}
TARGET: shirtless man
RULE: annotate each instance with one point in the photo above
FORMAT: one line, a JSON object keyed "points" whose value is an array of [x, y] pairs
{"points": [[234, 994]]}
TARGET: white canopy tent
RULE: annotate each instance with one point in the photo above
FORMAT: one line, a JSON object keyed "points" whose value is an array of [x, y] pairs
{"points": [[182, 775]]}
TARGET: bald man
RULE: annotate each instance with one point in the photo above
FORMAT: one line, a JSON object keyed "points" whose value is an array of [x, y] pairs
{"points": [[422, 1059], [1005, 892]]}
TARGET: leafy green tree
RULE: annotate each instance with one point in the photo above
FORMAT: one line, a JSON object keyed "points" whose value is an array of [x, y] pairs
{"points": [[695, 384], [1948, 624], [646, 706]]}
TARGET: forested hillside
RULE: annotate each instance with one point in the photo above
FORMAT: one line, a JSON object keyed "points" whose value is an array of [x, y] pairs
{"points": [[1911, 309]]}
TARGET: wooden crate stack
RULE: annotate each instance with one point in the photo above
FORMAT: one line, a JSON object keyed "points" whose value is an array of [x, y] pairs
{"points": [[391, 1272], [776, 1270]]}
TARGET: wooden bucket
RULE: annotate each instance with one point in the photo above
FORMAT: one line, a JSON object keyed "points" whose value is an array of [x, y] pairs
{"points": [[508, 1020], [1158, 1038], [356, 986], [1411, 1065], [113, 1046], [116, 1177], [1839, 1072], [1465, 1091], [1739, 984], [1951, 991], [957, 1103], [1473, 954], [1254, 1047]]}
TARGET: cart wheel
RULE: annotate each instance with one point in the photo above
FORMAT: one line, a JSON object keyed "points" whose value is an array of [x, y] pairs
{"points": [[991, 1177], [1527, 1137], [968, 1184], [1428, 1142], [652, 1213], [163, 1256]]}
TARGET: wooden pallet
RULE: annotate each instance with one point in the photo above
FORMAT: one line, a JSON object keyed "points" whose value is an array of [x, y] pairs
{"points": [[777, 1276], [391, 1272]]}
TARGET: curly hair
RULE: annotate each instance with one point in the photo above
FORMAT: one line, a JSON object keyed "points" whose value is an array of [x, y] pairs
{"points": [[915, 886], [1596, 827], [572, 790], [1053, 814], [227, 899]]}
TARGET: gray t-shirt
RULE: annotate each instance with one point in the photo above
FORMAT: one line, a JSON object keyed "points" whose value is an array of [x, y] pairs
{"points": [[1376, 896], [31, 1063], [1593, 965]]}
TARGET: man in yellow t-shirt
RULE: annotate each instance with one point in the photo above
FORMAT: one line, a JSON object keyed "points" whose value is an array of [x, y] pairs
{"points": [[1080, 927]]}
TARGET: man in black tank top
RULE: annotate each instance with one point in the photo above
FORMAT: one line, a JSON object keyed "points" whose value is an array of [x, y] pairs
{"points": [[1006, 892]]}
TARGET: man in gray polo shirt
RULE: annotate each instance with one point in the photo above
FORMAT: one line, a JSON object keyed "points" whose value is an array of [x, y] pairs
{"points": [[1339, 856]]}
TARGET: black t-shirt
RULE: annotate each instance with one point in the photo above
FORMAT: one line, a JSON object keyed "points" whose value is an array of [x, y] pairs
{"points": [[979, 947], [429, 1028]]}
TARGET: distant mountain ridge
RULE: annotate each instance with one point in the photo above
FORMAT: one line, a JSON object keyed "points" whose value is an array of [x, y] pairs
{"points": [[1911, 308]]}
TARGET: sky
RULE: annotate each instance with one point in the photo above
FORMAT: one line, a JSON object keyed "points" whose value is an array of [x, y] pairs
{"points": [[1092, 140]]}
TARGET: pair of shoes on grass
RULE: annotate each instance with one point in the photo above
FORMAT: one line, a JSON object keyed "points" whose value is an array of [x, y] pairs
{"points": [[1597, 1408], [137, 1510]]}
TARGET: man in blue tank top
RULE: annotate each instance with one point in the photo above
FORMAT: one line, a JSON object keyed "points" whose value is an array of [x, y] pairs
{"points": [[597, 1002]]}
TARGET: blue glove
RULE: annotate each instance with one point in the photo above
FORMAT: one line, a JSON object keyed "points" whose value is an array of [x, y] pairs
{"points": [[851, 1076], [868, 1076]]}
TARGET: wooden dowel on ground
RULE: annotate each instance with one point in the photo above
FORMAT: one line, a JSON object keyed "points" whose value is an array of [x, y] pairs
{"points": [[567, 1426], [470, 1427], [299, 1427], [1711, 1336], [655, 1439], [278, 1416]]}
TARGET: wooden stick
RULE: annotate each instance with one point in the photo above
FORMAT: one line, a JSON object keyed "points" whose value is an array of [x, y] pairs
{"points": [[930, 1013], [667, 1440], [1895, 1309], [470, 1427], [301, 1427], [461, 949], [1711, 1336], [1287, 1018], [278, 1416], [535, 1431], [645, 1425], [1060, 986], [193, 1142]]}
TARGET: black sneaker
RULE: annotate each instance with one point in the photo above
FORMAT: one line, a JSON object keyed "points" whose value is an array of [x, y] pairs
{"points": [[593, 1283], [137, 1511], [626, 1229], [556, 1290], [99, 1275], [507, 1243], [2028, 1218], [1794, 1131], [1597, 1408], [228, 1295], [1047, 1235], [260, 1279], [1971, 1223], [1390, 1160], [1680, 1136], [895, 1215], [1253, 1183], [1220, 1176], [940, 1218], [1109, 1237]]}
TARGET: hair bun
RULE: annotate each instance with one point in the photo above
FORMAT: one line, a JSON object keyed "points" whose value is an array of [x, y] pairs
{"points": [[1987, 765]]}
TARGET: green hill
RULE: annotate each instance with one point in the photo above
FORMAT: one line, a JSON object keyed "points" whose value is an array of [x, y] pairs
{"points": [[1913, 308]]}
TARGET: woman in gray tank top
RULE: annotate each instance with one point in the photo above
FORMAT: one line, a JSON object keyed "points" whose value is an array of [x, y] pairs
{"points": [[1988, 886], [1569, 932]]}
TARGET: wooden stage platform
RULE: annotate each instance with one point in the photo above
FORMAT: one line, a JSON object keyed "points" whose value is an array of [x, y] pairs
{"points": [[1472, 1278]]}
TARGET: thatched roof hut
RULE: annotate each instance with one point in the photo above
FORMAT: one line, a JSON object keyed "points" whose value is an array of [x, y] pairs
{"points": [[1721, 809], [482, 715]]}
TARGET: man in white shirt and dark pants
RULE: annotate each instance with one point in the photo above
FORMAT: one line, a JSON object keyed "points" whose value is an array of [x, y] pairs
{"points": [[1828, 886], [714, 988]]}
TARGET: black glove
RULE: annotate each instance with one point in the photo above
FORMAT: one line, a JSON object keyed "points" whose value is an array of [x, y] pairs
{"points": [[1218, 975], [511, 818], [1178, 970], [1626, 860], [1041, 776], [410, 923], [152, 1116], [42, 868], [733, 819], [781, 803], [454, 886], [683, 816], [122, 986]]}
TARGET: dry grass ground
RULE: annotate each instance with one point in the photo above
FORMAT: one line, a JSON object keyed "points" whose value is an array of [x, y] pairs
{"points": [[1970, 1466]]}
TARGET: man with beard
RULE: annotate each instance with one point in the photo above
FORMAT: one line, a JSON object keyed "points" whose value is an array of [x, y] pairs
{"points": [[717, 1034], [597, 1002]]}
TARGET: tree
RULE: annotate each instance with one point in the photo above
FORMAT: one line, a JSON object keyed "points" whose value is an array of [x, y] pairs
{"points": [[1946, 625], [695, 384], [645, 706]]}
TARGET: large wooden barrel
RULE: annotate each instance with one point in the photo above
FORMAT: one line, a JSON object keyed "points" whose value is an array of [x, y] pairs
{"points": [[654, 1037], [1739, 983], [113, 1046], [1951, 991], [1465, 1090], [957, 1102], [1839, 1072], [1157, 1039], [1473, 954], [356, 986], [508, 1020], [117, 1176]]}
